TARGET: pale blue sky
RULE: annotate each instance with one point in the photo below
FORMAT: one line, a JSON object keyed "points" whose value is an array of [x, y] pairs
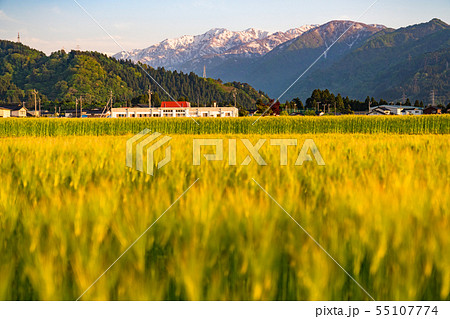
{"points": [[49, 25]]}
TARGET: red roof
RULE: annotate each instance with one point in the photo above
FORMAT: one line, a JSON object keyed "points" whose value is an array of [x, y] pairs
{"points": [[176, 104]]}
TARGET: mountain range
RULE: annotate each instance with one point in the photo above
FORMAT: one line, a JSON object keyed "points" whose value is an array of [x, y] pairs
{"points": [[173, 53], [359, 59]]}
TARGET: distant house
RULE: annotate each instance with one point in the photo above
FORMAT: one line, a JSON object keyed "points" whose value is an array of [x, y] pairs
{"points": [[4, 112], [47, 113], [33, 113], [432, 110], [411, 111], [74, 113], [395, 110], [380, 110], [97, 113], [16, 110]]}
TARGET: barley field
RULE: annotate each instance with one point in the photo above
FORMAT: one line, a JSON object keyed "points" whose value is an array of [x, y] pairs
{"points": [[69, 207], [427, 124]]}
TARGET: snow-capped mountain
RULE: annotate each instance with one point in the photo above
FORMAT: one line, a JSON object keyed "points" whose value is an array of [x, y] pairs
{"points": [[267, 44], [276, 70], [171, 53]]}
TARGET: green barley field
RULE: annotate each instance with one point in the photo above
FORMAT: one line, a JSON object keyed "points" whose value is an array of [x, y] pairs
{"points": [[430, 124], [69, 207]]}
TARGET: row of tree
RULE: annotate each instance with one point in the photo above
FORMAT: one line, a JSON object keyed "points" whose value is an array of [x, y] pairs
{"points": [[327, 102]]}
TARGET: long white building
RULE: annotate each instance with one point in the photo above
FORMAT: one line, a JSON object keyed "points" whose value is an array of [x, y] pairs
{"points": [[139, 112]]}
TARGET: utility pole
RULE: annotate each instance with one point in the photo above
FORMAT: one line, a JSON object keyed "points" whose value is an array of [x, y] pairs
{"points": [[35, 102], [149, 97], [76, 107], [334, 108], [39, 107], [369, 105], [234, 95], [81, 106]]}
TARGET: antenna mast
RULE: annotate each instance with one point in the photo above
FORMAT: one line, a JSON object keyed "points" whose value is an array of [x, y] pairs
{"points": [[18, 37]]}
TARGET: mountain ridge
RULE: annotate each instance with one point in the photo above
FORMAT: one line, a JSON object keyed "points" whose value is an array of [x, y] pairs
{"points": [[369, 59], [171, 53]]}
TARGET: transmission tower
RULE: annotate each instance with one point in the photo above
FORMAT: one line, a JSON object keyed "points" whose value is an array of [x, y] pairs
{"points": [[18, 37], [416, 87], [432, 96]]}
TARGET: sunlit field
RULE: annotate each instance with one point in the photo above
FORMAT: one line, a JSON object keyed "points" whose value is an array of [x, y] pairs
{"points": [[69, 207], [426, 124]]}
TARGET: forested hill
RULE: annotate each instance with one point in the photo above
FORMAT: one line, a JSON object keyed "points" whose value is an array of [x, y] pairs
{"points": [[61, 77]]}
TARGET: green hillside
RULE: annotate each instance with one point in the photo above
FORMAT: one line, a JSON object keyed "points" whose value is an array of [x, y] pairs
{"points": [[411, 61], [61, 77]]}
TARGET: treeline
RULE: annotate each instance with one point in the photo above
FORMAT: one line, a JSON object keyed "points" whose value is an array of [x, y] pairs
{"points": [[324, 100], [62, 77]]}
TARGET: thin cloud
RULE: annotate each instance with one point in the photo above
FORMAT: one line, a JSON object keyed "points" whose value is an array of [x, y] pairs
{"points": [[5, 18], [56, 10]]}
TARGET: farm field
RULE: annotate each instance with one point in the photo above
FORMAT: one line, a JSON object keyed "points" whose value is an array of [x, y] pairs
{"points": [[69, 207], [427, 124]]}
